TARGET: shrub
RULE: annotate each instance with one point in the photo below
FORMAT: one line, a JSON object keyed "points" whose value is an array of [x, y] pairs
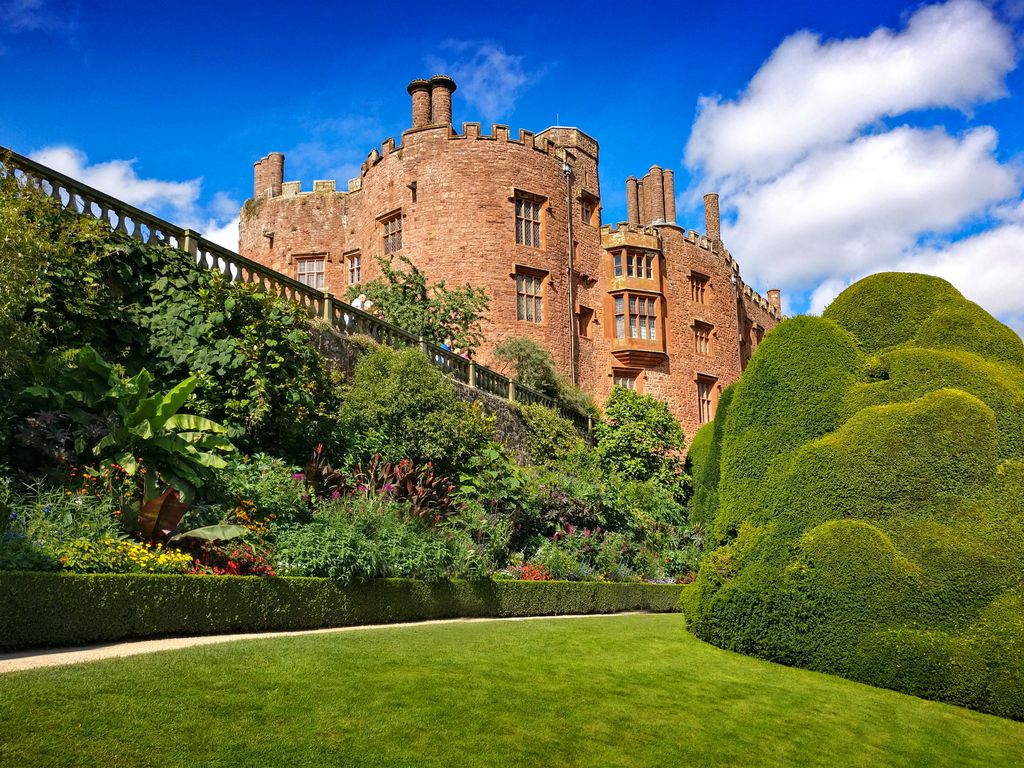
{"points": [[868, 515], [641, 439], [355, 539], [42, 609], [531, 365], [398, 404], [550, 438], [432, 311]]}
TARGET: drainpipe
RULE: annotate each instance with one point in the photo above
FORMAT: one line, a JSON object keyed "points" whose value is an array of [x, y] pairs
{"points": [[571, 274]]}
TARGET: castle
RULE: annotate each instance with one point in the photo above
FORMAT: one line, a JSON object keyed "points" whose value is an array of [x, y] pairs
{"points": [[642, 304]]}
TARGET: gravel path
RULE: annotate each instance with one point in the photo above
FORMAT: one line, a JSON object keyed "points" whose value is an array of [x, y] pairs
{"points": [[56, 657]]}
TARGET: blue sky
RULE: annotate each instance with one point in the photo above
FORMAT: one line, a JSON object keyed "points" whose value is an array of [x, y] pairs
{"points": [[844, 138]]}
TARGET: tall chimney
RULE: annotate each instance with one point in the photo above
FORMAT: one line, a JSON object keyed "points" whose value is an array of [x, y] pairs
{"points": [[669, 178], [275, 172], [632, 201], [657, 194], [712, 222], [441, 89], [419, 89], [641, 201], [259, 177], [775, 300]]}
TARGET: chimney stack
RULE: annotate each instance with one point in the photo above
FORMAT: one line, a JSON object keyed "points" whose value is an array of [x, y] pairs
{"points": [[275, 172], [775, 300], [657, 194], [441, 89], [419, 89], [632, 201], [669, 180], [712, 221], [268, 173]]}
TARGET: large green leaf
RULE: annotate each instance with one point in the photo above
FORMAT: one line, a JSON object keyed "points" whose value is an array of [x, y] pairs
{"points": [[189, 423], [172, 402], [212, 533]]}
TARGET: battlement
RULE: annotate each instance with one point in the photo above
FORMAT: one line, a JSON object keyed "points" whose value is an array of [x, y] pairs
{"points": [[624, 234]]}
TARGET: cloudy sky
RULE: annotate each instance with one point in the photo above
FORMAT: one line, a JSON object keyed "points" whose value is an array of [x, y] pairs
{"points": [[844, 138]]}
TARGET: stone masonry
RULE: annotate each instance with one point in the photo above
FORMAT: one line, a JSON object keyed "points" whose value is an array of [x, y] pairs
{"points": [[645, 304]]}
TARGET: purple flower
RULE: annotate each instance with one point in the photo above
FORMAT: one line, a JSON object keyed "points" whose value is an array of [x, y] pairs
{"points": [[336, 494], [298, 475]]}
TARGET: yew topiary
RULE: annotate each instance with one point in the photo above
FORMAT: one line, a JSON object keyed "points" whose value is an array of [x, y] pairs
{"points": [[869, 505]]}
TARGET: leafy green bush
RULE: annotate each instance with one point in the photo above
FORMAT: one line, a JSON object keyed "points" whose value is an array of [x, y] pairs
{"points": [[641, 439], [433, 311], [550, 438], [398, 404], [869, 520], [531, 365], [355, 539]]}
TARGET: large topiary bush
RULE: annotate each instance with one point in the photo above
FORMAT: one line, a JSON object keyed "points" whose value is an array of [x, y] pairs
{"points": [[864, 486]]}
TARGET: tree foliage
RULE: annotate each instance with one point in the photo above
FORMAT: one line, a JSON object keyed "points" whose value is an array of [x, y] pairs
{"points": [[531, 365], [431, 310], [640, 439], [399, 405]]}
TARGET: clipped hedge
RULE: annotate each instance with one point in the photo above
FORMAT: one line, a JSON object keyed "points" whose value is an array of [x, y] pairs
{"points": [[870, 508], [54, 609]]}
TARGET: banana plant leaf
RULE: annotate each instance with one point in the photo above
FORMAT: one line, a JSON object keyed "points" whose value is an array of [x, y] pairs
{"points": [[212, 533]]}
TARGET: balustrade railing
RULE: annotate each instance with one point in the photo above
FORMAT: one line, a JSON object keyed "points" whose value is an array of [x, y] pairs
{"points": [[122, 217]]}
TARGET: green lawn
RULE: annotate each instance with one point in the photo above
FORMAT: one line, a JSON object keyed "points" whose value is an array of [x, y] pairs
{"points": [[609, 691]]}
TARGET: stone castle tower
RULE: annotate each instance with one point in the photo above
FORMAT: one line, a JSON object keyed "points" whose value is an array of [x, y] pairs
{"points": [[642, 304]]}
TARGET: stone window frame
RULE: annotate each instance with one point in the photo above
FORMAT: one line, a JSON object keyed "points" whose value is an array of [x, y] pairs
{"points": [[703, 338], [628, 378], [534, 231], [633, 310], [584, 320], [538, 280], [700, 286], [590, 209], [639, 264], [354, 266], [319, 280], [391, 232], [707, 396]]}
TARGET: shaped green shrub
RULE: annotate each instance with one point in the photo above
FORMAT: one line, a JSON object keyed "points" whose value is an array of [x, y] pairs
{"points": [[870, 507]]}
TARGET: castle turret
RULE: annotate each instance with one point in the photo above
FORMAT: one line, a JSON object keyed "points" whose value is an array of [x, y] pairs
{"points": [[441, 89], [419, 89], [712, 221], [775, 300]]}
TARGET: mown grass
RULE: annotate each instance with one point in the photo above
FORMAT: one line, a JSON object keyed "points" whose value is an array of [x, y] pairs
{"points": [[609, 691]]}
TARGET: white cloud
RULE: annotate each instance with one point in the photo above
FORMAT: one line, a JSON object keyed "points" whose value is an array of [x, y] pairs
{"points": [[488, 78], [118, 178], [854, 207], [823, 295], [176, 201], [810, 93], [225, 235], [17, 16], [986, 268]]}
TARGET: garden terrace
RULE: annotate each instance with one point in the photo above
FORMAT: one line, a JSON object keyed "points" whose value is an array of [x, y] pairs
{"points": [[142, 226]]}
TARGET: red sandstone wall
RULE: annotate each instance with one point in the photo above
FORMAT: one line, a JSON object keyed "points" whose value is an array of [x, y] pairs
{"points": [[459, 226]]}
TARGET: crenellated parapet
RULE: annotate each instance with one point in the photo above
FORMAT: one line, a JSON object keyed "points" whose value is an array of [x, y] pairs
{"points": [[629, 235]]}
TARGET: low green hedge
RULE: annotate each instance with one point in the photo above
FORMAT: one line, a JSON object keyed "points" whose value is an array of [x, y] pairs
{"points": [[53, 609]]}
